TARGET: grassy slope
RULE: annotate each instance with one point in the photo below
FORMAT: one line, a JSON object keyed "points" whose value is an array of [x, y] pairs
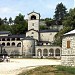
{"points": [[50, 70]]}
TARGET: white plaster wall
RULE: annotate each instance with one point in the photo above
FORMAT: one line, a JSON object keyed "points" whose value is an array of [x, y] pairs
{"points": [[47, 36], [35, 35]]}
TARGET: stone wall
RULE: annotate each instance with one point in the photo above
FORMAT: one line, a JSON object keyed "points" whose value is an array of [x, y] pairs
{"points": [[47, 36], [68, 54]]}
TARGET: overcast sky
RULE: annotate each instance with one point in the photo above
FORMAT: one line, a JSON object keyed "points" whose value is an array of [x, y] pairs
{"points": [[11, 8]]}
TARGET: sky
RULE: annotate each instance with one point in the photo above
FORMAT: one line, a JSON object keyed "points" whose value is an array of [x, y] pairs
{"points": [[46, 8]]}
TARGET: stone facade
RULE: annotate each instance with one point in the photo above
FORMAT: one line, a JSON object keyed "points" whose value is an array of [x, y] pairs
{"points": [[47, 36], [48, 51], [35, 43], [68, 50]]}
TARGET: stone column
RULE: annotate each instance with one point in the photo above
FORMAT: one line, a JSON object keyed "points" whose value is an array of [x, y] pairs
{"points": [[54, 53], [48, 53], [36, 52], [42, 52]]}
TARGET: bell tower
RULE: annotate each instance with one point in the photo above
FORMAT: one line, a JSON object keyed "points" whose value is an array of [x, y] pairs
{"points": [[33, 21]]}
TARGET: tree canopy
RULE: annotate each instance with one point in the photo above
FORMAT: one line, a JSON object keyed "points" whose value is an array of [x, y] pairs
{"points": [[69, 19], [60, 13]]}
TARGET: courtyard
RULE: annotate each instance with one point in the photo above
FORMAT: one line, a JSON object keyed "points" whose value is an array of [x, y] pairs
{"points": [[15, 66]]}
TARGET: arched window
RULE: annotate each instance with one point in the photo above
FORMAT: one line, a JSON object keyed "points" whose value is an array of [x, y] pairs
{"points": [[8, 44], [57, 52], [45, 52], [13, 39], [13, 44], [19, 45], [8, 39], [3, 39], [3, 44], [51, 52], [18, 39], [33, 17], [39, 52]]}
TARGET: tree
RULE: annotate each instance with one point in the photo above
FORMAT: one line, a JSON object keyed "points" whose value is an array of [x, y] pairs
{"points": [[5, 20], [10, 21], [60, 12], [69, 19], [42, 27], [1, 21], [58, 36], [20, 25], [49, 21], [19, 19]]}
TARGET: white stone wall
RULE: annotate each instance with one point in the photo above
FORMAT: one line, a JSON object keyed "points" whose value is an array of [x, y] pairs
{"points": [[28, 47], [35, 34], [4, 34], [68, 54], [33, 24], [47, 36], [13, 49], [37, 16], [54, 48]]}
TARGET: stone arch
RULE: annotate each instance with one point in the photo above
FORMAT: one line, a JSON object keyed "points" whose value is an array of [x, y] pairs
{"points": [[51, 52], [8, 44], [45, 52], [19, 45], [8, 39], [13, 44], [57, 52], [3, 44], [3, 39], [18, 39], [39, 52], [33, 17], [13, 39]]}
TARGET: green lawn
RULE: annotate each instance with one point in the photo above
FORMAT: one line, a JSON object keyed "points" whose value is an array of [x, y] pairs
{"points": [[50, 70]]}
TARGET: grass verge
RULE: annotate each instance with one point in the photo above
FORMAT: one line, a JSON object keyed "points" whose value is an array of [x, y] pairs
{"points": [[50, 70]]}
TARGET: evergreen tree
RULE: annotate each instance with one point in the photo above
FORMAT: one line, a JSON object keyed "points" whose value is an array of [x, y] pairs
{"points": [[60, 12], [69, 19], [10, 20], [5, 20]]}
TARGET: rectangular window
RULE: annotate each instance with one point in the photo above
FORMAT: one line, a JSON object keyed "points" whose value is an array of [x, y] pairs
{"points": [[68, 44]]}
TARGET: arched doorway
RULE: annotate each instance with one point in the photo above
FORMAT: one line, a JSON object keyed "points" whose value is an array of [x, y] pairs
{"points": [[45, 52], [57, 52], [19, 45], [51, 52], [3, 44], [8, 44], [39, 52], [13, 44]]}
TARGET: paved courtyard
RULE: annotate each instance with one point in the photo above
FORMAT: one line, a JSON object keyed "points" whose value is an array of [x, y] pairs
{"points": [[16, 66]]}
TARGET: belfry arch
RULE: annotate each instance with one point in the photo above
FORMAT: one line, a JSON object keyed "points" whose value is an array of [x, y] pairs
{"points": [[33, 17]]}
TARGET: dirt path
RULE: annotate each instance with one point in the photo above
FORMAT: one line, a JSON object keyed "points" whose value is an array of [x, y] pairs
{"points": [[15, 66]]}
